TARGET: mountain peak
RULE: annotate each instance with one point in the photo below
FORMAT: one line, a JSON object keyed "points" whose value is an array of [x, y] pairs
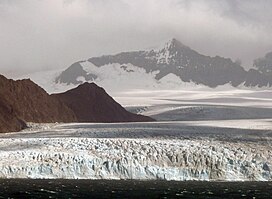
{"points": [[86, 88], [171, 52], [174, 41], [173, 45], [88, 84]]}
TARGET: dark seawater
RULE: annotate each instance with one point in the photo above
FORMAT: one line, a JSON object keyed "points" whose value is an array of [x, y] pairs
{"points": [[18, 188]]}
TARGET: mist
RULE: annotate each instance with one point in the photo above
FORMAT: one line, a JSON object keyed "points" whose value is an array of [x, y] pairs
{"points": [[47, 35]]}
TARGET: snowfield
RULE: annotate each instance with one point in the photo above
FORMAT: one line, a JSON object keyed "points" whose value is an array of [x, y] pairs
{"points": [[160, 150]]}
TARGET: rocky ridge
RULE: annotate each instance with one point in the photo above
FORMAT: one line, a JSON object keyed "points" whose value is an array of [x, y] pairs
{"points": [[91, 103]]}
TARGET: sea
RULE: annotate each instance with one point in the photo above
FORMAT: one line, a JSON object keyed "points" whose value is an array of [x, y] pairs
{"points": [[29, 188]]}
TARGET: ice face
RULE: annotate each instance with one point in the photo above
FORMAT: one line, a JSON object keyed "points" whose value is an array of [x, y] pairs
{"points": [[206, 150], [167, 159]]}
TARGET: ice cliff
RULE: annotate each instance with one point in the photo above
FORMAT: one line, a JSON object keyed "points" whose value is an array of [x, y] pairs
{"points": [[167, 159]]}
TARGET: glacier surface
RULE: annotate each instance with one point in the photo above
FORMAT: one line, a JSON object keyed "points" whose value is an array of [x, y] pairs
{"points": [[50, 153]]}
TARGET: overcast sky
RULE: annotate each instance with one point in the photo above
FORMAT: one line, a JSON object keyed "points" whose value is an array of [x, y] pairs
{"points": [[39, 35]]}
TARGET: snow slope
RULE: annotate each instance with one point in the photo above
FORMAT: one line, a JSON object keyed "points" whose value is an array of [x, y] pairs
{"points": [[114, 78], [145, 90]]}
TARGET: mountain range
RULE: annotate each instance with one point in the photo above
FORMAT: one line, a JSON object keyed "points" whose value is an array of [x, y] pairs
{"points": [[174, 62]]}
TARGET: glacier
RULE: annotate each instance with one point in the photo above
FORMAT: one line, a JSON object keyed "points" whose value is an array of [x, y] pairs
{"points": [[163, 158]]}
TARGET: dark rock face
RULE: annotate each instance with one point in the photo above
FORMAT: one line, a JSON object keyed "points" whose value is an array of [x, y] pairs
{"points": [[264, 67], [9, 122], [23, 101], [184, 62], [70, 75], [256, 78], [91, 103], [264, 64], [32, 104]]}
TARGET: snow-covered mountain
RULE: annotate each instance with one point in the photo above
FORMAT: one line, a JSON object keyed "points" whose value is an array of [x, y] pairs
{"points": [[173, 65]]}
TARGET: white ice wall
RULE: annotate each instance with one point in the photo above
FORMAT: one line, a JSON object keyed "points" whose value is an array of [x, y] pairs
{"points": [[87, 158]]}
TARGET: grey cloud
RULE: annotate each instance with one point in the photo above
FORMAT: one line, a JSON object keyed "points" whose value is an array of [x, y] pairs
{"points": [[37, 35]]}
